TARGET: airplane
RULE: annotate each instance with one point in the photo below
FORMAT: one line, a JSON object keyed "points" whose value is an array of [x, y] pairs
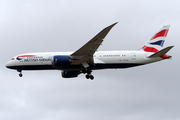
{"points": [[87, 58]]}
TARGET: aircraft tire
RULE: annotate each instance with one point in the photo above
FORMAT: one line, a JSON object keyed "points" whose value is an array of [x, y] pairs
{"points": [[87, 77], [92, 77], [20, 74]]}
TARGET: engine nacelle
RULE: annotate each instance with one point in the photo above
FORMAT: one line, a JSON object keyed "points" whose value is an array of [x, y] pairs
{"points": [[60, 61], [69, 74]]}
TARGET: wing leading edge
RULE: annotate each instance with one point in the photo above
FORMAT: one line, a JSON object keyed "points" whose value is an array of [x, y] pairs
{"points": [[85, 53]]}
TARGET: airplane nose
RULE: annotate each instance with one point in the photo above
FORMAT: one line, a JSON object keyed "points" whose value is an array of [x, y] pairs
{"points": [[9, 64]]}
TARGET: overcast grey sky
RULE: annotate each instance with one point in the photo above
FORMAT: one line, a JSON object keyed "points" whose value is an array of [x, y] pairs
{"points": [[149, 92]]}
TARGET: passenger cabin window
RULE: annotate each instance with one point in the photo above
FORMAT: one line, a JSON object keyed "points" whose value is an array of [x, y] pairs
{"points": [[111, 55], [12, 59]]}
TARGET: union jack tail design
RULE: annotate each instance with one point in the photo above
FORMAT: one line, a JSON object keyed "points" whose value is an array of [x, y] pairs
{"points": [[156, 42]]}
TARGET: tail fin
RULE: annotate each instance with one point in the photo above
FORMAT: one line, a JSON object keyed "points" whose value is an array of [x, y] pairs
{"points": [[156, 42]]}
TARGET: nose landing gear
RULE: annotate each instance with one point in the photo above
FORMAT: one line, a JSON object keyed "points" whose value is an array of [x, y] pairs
{"points": [[20, 74]]}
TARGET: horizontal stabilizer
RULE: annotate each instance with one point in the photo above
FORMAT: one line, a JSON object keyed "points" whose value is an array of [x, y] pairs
{"points": [[161, 52]]}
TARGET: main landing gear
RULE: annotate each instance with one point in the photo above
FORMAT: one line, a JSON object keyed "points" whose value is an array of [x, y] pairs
{"points": [[87, 70], [88, 75], [20, 74]]}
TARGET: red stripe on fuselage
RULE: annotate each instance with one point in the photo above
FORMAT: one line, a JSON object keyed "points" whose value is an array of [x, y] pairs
{"points": [[162, 33], [26, 56]]}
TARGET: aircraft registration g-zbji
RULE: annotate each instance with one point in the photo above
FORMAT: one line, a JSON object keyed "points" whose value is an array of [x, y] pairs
{"points": [[87, 58]]}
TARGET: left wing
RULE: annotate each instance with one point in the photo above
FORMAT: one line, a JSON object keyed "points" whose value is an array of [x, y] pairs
{"points": [[85, 53]]}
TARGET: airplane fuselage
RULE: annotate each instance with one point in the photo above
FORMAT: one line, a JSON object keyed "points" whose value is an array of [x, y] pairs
{"points": [[102, 60]]}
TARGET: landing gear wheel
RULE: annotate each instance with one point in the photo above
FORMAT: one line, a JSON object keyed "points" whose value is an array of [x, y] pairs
{"points": [[20, 75], [88, 71], [20, 72], [89, 76]]}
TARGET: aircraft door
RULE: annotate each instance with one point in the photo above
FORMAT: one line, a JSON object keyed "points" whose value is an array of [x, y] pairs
{"points": [[99, 56], [133, 56]]}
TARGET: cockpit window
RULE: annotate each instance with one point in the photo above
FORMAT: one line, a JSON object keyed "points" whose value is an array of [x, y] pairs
{"points": [[12, 59]]}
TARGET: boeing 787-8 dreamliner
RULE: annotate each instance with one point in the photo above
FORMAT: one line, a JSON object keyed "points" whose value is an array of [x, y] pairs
{"points": [[87, 58]]}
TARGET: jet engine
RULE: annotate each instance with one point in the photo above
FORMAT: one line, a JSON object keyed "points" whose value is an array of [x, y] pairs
{"points": [[60, 61], [70, 74]]}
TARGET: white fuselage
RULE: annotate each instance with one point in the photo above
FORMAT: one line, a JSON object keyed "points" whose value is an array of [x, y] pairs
{"points": [[102, 60]]}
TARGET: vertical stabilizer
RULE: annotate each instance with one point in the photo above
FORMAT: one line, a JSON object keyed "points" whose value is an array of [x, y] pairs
{"points": [[156, 42]]}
